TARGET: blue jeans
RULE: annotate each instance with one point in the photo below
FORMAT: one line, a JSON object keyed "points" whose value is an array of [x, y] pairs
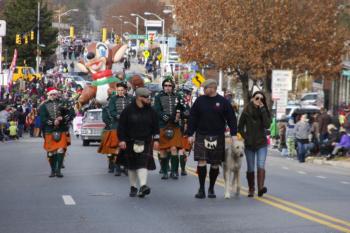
{"points": [[303, 149], [260, 155]]}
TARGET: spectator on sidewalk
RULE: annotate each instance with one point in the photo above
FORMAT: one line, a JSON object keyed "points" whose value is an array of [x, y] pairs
{"points": [[290, 135], [282, 127], [13, 130], [343, 145], [303, 137], [274, 132], [4, 116], [21, 121], [323, 121], [327, 145]]}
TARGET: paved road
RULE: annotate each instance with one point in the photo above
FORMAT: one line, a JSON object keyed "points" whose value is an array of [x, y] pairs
{"points": [[302, 198]]}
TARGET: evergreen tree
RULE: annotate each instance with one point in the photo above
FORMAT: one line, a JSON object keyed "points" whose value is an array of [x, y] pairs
{"points": [[21, 17]]}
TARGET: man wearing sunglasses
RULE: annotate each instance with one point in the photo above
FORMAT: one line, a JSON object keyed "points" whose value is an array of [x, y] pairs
{"points": [[56, 116], [169, 105], [116, 106], [138, 133]]}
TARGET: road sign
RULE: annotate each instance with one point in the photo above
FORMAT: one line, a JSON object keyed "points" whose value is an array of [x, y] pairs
{"points": [[281, 84], [2, 28], [146, 54], [198, 79], [153, 23], [137, 37]]}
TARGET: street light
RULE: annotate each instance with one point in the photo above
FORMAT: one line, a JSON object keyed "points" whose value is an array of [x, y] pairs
{"points": [[120, 18], [59, 23], [137, 24], [161, 19]]}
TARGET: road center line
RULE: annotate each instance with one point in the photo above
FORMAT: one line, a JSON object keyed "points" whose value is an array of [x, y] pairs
{"points": [[293, 208], [321, 177], [301, 172], [68, 200]]}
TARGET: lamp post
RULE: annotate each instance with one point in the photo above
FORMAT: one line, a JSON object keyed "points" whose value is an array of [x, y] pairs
{"points": [[134, 25], [59, 23], [163, 45], [137, 24], [120, 18]]}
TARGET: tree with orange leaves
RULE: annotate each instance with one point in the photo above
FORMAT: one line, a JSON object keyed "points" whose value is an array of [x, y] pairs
{"points": [[254, 37]]}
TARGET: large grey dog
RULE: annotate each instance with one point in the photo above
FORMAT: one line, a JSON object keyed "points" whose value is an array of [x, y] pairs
{"points": [[232, 166]]}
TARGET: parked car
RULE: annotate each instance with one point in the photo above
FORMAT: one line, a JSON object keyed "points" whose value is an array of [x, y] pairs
{"points": [[92, 127]]}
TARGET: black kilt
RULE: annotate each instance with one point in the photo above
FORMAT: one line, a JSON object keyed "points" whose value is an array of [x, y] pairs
{"points": [[136, 161], [216, 156]]}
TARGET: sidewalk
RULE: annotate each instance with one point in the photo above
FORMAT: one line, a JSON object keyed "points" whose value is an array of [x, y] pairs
{"points": [[343, 162]]}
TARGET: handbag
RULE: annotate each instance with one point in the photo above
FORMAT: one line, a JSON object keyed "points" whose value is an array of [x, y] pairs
{"points": [[211, 142], [139, 146], [56, 136]]}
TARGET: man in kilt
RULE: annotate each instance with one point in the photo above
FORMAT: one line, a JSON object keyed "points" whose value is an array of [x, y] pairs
{"points": [[56, 116], [138, 133], [186, 93], [109, 139], [208, 118], [116, 106], [169, 106]]}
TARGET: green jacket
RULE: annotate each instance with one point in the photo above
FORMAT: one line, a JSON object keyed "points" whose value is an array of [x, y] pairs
{"points": [[116, 106], [166, 107], [107, 119], [252, 126], [273, 128], [50, 110]]}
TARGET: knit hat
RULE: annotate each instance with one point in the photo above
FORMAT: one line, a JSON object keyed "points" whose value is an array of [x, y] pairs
{"points": [[51, 90], [142, 91], [209, 82], [331, 127]]}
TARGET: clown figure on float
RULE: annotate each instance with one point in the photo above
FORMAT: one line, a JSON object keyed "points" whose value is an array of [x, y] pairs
{"points": [[98, 60]]}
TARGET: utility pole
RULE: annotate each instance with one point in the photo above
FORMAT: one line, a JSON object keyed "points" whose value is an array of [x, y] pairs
{"points": [[38, 41]]}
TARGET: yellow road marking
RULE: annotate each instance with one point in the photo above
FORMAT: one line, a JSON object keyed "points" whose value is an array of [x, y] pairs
{"points": [[287, 206]]}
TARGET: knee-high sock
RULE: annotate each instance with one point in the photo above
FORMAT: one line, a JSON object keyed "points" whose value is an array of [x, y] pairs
{"points": [[213, 174], [183, 162], [202, 174], [132, 178], [142, 176], [174, 163]]}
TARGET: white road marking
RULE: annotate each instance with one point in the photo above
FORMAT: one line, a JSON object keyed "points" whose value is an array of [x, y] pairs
{"points": [[321, 177], [345, 182], [301, 172], [285, 168], [68, 200]]}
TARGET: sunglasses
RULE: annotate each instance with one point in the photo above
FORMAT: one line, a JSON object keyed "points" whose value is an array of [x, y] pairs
{"points": [[259, 98], [168, 85]]}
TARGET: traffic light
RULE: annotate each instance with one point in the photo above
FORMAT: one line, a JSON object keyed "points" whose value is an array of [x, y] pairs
{"points": [[18, 39], [71, 32], [117, 39], [104, 34], [31, 35], [26, 39]]}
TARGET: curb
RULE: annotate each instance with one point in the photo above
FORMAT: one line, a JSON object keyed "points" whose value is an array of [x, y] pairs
{"points": [[323, 161]]}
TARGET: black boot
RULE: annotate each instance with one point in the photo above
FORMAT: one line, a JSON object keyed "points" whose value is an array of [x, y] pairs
{"points": [[133, 191], [174, 167], [164, 166], [202, 174], [144, 190], [183, 165], [52, 162], [59, 165], [251, 183], [261, 180], [118, 170], [213, 174], [110, 164]]}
